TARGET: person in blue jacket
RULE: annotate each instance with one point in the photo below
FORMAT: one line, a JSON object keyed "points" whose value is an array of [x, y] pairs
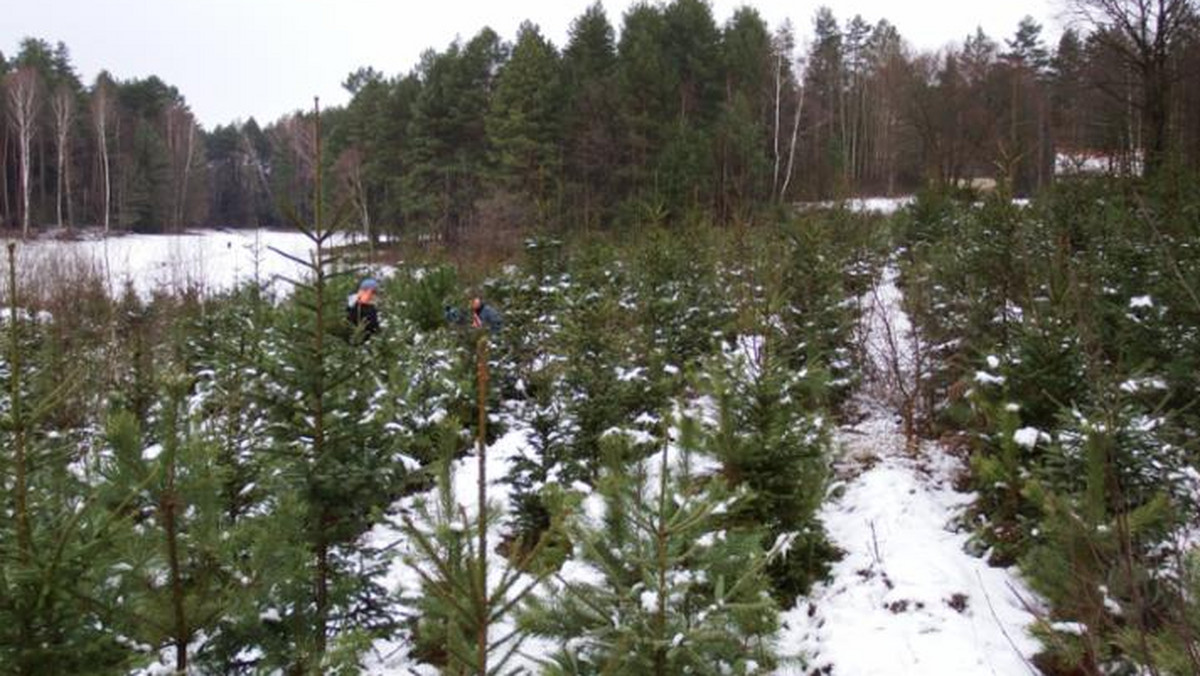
{"points": [[481, 316], [484, 316]]}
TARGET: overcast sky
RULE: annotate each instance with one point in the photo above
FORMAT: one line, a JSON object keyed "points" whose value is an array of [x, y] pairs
{"points": [[233, 59]]}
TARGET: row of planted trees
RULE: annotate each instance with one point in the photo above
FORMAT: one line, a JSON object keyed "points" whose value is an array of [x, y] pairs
{"points": [[185, 488], [230, 485], [1061, 348]]}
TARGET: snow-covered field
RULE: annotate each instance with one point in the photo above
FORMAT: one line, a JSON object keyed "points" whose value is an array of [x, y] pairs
{"points": [[907, 598], [877, 205], [209, 260]]}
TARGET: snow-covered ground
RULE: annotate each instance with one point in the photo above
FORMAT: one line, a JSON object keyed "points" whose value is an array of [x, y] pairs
{"points": [[878, 205], [210, 260], [906, 598], [1096, 163]]}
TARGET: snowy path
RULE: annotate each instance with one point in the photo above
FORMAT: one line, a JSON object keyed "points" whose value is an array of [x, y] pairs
{"points": [[907, 598]]}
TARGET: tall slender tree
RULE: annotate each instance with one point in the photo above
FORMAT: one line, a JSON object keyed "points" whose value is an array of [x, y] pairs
{"points": [[590, 124], [102, 110], [5, 205], [525, 118], [24, 103], [62, 105], [824, 80]]}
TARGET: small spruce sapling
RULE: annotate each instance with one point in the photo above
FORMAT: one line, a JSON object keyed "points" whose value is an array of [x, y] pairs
{"points": [[463, 604], [181, 581], [776, 451], [657, 586]]}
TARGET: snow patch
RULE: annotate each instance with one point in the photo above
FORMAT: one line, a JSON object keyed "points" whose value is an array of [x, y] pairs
{"points": [[1027, 437]]}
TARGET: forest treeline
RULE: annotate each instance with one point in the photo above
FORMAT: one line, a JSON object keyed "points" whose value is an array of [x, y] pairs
{"points": [[675, 116]]}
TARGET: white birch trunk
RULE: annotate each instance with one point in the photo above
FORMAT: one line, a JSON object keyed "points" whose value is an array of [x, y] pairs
{"points": [[23, 105], [63, 109], [787, 175]]}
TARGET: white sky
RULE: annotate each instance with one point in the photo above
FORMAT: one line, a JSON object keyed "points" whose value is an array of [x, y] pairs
{"points": [[234, 59]]}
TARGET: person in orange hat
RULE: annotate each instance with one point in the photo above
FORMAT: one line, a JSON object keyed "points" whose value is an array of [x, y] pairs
{"points": [[361, 310]]}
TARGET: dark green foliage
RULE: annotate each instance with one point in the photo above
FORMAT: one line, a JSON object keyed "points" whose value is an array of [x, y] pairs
{"points": [[821, 272], [657, 587], [226, 351], [769, 447], [424, 299], [1065, 325], [1173, 647], [56, 546], [549, 462], [181, 579], [286, 448], [524, 121], [677, 276], [329, 472], [449, 146], [591, 123]]}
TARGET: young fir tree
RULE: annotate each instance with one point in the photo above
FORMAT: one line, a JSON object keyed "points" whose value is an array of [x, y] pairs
{"points": [[661, 583], [818, 321], [601, 383], [55, 539], [1175, 645], [226, 348], [1108, 495], [772, 447], [180, 580], [547, 462], [463, 602], [329, 479]]}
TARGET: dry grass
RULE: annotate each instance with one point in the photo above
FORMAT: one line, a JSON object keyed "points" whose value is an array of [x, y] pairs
{"points": [[58, 280]]}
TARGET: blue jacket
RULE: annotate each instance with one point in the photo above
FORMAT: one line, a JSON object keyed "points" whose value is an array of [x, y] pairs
{"points": [[489, 317]]}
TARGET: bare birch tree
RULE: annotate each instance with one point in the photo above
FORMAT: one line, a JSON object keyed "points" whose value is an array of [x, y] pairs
{"points": [[101, 112], [181, 149], [782, 49], [350, 171], [24, 102], [787, 174], [1146, 34], [62, 105]]}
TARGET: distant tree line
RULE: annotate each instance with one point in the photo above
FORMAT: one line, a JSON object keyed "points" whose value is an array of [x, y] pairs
{"points": [[674, 117]]}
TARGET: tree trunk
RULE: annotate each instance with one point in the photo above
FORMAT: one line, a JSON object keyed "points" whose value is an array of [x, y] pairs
{"points": [[62, 107], [100, 110], [58, 202], [1156, 107], [482, 606], [787, 175], [181, 208], [778, 88], [4, 203], [168, 507], [24, 163]]}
